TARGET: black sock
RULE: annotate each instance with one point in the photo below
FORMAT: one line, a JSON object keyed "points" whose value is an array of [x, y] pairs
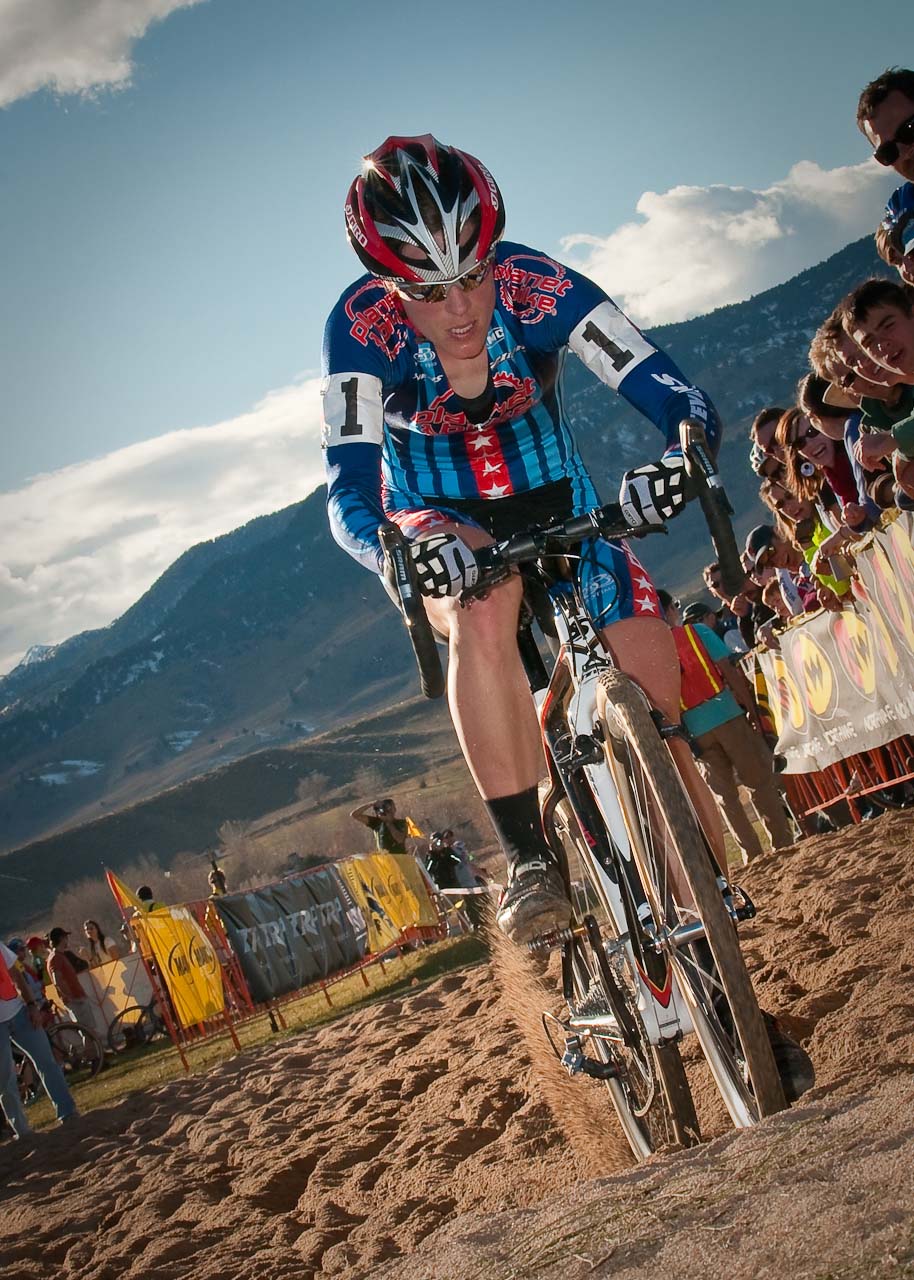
{"points": [[518, 826]]}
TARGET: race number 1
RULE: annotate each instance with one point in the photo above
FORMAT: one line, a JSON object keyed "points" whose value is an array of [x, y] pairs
{"points": [[619, 356], [352, 426]]}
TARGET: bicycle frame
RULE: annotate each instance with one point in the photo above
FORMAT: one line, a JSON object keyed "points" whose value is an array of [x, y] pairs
{"points": [[567, 709]]}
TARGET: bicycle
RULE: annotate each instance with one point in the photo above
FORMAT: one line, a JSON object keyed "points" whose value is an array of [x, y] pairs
{"points": [[651, 954], [138, 1024], [77, 1048]]}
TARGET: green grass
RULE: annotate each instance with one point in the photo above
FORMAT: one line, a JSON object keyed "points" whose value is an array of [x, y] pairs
{"points": [[152, 1065]]}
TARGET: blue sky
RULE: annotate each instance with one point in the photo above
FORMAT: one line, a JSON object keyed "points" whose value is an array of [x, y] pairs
{"points": [[171, 210]]}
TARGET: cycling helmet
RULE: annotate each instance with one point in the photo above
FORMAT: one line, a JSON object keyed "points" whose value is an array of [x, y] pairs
{"points": [[441, 839], [439, 202]]}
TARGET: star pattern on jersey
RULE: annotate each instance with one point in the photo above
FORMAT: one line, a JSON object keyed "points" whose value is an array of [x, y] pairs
{"points": [[646, 604], [487, 451], [644, 597]]}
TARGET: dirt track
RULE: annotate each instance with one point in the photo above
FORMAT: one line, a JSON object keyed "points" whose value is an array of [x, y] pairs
{"points": [[413, 1139]]}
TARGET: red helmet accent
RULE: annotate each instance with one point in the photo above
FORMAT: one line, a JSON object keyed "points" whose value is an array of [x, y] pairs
{"points": [[423, 212]]}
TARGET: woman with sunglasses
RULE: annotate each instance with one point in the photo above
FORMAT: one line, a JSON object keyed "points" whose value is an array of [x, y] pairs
{"points": [[443, 412], [818, 468]]}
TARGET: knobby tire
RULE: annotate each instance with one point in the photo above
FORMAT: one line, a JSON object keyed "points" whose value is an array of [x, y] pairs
{"points": [[669, 1120], [720, 996]]}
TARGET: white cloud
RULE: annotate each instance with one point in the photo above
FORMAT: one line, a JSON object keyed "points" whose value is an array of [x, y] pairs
{"points": [[698, 248], [78, 546], [72, 46]]}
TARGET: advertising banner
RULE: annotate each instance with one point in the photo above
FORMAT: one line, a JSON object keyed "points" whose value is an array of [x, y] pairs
{"points": [[843, 683], [291, 934], [110, 988], [182, 953], [186, 961], [381, 931], [404, 889], [392, 893]]}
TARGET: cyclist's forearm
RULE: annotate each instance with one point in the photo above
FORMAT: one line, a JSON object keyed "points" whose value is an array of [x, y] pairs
{"points": [[660, 391], [354, 503]]}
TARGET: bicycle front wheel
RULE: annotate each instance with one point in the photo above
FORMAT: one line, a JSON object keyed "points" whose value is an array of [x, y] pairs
{"points": [[649, 1091], [682, 887], [78, 1050]]}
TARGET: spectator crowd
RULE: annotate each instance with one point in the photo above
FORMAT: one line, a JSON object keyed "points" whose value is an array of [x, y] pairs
{"points": [[832, 466]]}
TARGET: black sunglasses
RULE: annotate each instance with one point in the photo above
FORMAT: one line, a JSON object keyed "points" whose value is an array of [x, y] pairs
{"points": [[887, 152], [469, 281], [802, 436]]}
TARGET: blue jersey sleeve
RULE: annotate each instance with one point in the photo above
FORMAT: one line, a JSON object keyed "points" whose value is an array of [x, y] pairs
{"points": [[558, 306], [363, 337]]}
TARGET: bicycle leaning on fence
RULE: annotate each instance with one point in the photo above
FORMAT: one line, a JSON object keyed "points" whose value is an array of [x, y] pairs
{"points": [[651, 955], [138, 1024], [77, 1048]]}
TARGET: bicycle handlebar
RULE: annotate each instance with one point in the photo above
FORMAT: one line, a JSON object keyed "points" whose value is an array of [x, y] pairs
{"points": [[495, 561], [715, 505], [422, 638]]}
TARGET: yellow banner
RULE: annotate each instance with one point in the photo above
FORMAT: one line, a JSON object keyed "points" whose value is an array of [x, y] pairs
{"points": [[391, 893], [186, 961], [382, 931], [405, 893]]}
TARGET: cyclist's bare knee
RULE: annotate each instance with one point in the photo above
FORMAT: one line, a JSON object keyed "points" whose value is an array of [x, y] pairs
{"points": [[644, 649]]}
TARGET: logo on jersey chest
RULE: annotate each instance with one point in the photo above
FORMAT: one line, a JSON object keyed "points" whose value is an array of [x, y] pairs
{"points": [[530, 294], [380, 322], [438, 420]]}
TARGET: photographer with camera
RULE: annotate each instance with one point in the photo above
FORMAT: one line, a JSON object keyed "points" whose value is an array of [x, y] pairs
{"points": [[390, 832]]}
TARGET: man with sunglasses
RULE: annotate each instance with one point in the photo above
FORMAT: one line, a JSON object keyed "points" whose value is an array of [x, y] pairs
{"points": [[885, 114], [443, 412]]}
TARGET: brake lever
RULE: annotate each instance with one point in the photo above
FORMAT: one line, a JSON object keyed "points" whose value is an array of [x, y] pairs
{"points": [[492, 578]]}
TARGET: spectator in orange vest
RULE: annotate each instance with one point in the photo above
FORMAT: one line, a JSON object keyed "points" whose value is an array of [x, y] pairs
{"points": [[719, 712]]}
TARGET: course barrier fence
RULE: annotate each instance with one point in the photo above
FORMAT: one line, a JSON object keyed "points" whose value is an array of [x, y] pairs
{"points": [[841, 686]]}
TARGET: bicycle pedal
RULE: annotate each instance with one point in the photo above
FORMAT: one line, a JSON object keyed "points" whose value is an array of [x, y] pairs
{"points": [[576, 1062], [743, 906], [543, 943]]}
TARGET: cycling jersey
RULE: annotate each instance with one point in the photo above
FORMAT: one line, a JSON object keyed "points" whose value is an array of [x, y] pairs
{"points": [[397, 437]]}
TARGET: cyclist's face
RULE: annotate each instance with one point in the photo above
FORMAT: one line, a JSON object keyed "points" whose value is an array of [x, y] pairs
{"points": [[458, 326]]}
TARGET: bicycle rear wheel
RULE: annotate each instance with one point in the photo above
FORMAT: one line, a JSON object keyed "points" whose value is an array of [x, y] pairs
{"points": [[132, 1026], [679, 879], [649, 1093], [78, 1050]]}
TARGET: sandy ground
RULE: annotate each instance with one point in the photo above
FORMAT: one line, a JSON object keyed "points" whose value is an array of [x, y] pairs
{"points": [[420, 1139]]}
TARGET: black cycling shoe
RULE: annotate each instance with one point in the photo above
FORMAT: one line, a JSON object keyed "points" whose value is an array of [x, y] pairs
{"points": [[534, 901], [791, 1059]]}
